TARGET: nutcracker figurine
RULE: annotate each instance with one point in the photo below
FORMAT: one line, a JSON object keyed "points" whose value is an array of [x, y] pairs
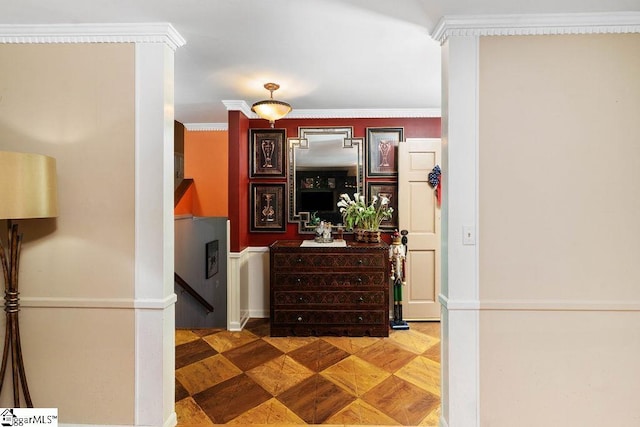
{"points": [[397, 258]]}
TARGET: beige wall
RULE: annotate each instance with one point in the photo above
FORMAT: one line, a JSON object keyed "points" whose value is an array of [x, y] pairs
{"points": [[559, 230], [76, 103]]}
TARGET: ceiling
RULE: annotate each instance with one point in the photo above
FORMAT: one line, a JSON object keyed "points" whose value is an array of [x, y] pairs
{"points": [[325, 54]]}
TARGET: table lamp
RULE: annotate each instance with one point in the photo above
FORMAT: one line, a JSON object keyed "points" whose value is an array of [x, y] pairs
{"points": [[27, 190]]}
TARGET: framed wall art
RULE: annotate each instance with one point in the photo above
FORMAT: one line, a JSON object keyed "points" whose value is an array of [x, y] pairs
{"points": [[382, 151], [268, 210], [267, 153], [211, 259], [390, 191]]}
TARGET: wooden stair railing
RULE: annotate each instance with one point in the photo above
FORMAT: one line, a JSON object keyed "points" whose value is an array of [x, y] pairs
{"points": [[181, 190], [184, 285]]}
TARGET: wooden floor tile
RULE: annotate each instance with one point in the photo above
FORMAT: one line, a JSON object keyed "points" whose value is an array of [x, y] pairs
{"points": [[193, 351], [229, 399], [252, 354], [402, 401], [429, 328], [351, 345], [422, 372], [434, 353], [360, 412], [355, 375], [386, 355], [180, 392], [184, 336], [271, 412], [189, 413], [279, 374], [315, 399], [318, 355], [227, 340], [433, 419], [413, 341], [202, 375], [288, 344]]}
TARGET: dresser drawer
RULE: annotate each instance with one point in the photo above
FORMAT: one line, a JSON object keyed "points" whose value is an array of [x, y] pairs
{"points": [[329, 280], [323, 317], [304, 260], [332, 299]]}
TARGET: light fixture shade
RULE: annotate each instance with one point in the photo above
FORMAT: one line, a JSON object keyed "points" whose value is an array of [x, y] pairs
{"points": [[28, 187], [271, 109]]}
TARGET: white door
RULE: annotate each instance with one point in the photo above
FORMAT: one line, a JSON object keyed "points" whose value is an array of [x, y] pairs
{"points": [[419, 214]]}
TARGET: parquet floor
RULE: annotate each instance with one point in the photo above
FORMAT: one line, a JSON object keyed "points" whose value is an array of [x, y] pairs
{"points": [[250, 378]]}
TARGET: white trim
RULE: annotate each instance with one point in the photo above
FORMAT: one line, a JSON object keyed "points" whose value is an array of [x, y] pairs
{"points": [[443, 422], [354, 113], [102, 303], [204, 127], [538, 305], [363, 113], [259, 314], [536, 24], [158, 32], [258, 249], [239, 105]]}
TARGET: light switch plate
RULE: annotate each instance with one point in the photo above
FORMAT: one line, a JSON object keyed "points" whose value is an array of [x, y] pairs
{"points": [[468, 235]]}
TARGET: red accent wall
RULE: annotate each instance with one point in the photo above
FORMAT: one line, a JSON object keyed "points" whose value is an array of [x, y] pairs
{"points": [[239, 126]]}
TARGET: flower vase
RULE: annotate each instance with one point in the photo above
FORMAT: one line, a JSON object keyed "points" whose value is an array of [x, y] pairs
{"points": [[367, 236]]}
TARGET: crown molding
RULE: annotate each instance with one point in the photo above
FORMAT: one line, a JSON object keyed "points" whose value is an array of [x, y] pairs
{"points": [[536, 24], [206, 127], [160, 32], [362, 113]]}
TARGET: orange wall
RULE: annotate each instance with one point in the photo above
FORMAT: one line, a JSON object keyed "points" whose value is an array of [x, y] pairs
{"points": [[206, 156]]}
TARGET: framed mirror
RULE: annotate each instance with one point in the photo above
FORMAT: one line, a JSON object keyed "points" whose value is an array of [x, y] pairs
{"points": [[323, 163]]}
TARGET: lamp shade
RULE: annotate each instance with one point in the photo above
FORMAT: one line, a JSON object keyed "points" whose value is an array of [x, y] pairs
{"points": [[28, 186], [271, 109]]}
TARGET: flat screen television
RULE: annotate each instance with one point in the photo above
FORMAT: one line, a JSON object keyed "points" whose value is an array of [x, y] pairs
{"points": [[317, 201]]}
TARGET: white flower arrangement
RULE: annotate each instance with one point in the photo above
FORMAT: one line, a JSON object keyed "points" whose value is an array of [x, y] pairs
{"points": [[357, 213]]}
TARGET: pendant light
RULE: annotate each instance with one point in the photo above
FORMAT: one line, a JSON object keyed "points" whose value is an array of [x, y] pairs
{"points": [[271, 109]]}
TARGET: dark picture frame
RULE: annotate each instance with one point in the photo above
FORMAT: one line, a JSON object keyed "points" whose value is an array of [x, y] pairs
{"points": [[382, 151], [390, 190], [212, 259], [267, 153], [268, 209]]}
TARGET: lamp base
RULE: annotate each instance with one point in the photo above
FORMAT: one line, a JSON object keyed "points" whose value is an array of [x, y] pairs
{"points": [[12, 345]]}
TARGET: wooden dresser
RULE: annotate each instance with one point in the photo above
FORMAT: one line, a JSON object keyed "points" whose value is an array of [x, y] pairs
{"points": [[329, 290]]}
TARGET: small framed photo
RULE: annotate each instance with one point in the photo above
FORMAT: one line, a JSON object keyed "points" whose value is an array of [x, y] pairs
{"points": [[382, 151], [390, 191], [267, 153], [268, 210], [211, 259]]}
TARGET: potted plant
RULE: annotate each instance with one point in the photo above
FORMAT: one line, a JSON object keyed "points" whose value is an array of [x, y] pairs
{"points": [[364, 219]]}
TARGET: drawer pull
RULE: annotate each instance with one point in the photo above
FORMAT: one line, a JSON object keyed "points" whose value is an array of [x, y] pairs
{"points": [[300, 299], [359, 280], [298, 281], [361, 299], [360, 319], [360, 262], [299, 260], [299, 318]]}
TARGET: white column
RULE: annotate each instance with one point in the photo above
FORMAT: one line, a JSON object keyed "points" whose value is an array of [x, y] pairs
{"points": [[154, 258], [460, 312]]}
